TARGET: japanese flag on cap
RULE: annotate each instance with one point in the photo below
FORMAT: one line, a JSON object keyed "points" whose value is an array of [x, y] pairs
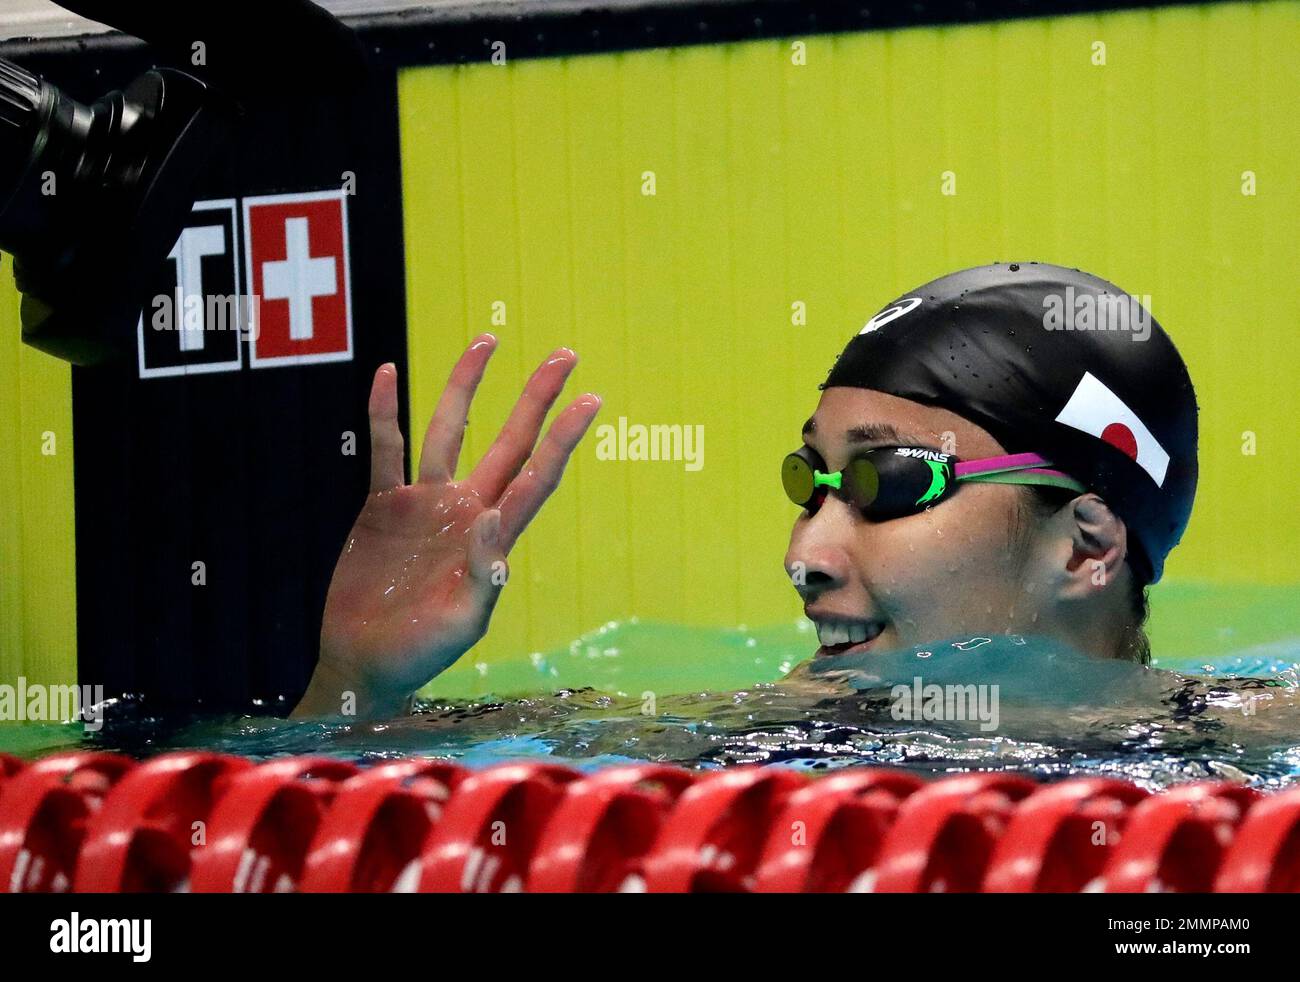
{"points": [[1095, 409]]}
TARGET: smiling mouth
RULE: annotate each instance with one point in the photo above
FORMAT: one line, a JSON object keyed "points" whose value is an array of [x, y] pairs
{"points": [[841, 637]]}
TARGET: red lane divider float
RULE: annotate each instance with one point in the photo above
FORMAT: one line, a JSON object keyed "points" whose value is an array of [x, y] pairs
{"points": [[377, 825], [831, 831], [152, 824], [1265, 854], [210, 822], [44, 812], [261, 827], [486, 837], [711, 840], [1175, 841], [943, 835], [602, 828], [1061, 837]]}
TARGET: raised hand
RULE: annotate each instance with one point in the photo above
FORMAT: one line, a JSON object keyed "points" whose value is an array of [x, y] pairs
{"points": [[425, 562]]}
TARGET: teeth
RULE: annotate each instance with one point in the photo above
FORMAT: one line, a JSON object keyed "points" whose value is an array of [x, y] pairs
{"points": [[829, 634], [840, 632]]}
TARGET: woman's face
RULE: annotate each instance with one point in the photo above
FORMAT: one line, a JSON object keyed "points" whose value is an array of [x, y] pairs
{"points": [[952, 569]]}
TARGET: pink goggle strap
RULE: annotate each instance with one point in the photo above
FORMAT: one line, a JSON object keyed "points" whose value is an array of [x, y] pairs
{"points": [[1017, 468]]}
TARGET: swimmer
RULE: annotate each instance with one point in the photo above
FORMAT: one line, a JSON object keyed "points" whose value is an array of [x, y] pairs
{"points": [[1069, 474], [981, 460]]}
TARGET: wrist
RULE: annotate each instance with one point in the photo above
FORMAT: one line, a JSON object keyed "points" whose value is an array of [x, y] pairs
{"points": [[336, 692]]}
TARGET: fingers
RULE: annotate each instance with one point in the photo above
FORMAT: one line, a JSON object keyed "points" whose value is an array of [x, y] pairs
{"points": [[516, 440], [442, 439], [534, 485], [386, 447]]}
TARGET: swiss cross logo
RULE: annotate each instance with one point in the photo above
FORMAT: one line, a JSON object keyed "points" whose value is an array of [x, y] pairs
{"points": [[296, 256]]}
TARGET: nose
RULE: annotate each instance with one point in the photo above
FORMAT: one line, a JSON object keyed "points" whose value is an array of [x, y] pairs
{"points": [[818, 559]]}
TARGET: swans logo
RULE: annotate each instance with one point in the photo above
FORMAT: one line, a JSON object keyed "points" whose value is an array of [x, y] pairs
{"points": [[892, 314]]}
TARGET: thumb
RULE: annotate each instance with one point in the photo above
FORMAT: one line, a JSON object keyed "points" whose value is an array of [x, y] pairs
{"points": [[488, 569]]}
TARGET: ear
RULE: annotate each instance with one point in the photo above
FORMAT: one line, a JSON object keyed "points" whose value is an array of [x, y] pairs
{"points": [[1098, 546]]}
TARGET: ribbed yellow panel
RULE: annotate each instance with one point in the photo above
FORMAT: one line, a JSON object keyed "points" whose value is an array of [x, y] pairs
{"points": [[38, 603], [818, 186]]}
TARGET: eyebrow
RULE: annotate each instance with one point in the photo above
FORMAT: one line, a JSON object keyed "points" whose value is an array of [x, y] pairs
{"points": [[883, 434]]}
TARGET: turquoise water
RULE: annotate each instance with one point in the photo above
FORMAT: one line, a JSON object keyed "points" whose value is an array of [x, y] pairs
{"points": [[1007, 703]]}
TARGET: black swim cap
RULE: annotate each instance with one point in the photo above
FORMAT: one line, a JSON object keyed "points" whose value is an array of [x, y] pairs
{"points": [[1053, 361]]}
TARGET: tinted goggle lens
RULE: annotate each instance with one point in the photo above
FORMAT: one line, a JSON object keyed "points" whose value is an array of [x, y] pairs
{"points": [[862, 481], [804, 481], [797, 479]]}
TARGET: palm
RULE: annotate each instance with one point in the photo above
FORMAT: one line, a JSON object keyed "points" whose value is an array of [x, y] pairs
{"points": [[420, 573], [398, 598]]}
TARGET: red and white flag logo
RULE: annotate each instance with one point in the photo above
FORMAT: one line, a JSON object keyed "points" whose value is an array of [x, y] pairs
{"points": [[297, 257], [1094, 409]]}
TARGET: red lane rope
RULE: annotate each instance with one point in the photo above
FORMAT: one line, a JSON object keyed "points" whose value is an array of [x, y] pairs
{"points": [[209, 822]]}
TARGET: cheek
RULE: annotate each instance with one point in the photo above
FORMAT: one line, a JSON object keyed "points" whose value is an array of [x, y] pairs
{"points": [[975, 525], [950, 557]]}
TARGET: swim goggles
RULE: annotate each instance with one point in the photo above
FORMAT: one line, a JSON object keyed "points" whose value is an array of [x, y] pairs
{"points": [[890, 482]]}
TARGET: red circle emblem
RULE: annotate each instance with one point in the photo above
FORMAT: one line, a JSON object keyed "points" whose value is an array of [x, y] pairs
{"points": [[1121, 438]]}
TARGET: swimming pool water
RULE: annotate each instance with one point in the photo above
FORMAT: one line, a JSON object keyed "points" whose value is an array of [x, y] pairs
{"points": [[636, 691]]}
